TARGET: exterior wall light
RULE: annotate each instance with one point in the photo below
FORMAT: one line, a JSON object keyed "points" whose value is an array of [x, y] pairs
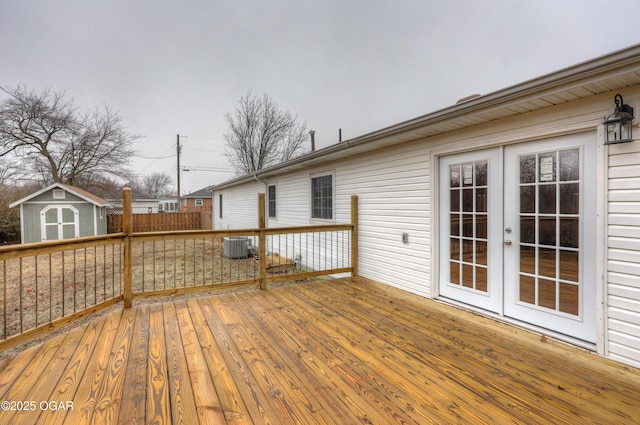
{"points": [[618, 125]]}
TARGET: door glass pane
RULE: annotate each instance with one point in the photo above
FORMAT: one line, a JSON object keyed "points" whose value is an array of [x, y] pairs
{"points": [[569, 266], [569, 198], [547, 199], [547, 262], [481, 173], [569, 298], [547, 167], [467, 275], [570, 165], [481, 200], [468, 231], [547, 293], [569, 232], [528, 169], [549, 230], [527, 289], [527, 259], [455, 200], [527, 199]]}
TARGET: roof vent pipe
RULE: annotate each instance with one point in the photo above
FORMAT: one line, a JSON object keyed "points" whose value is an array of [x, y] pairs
{"points": [[313, 140], [339, 135]]}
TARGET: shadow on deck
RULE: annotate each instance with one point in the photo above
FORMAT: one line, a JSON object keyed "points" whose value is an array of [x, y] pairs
{"points": [[332, 351]]}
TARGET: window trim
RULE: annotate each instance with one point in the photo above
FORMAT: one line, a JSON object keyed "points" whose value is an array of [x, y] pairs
{"points": [[312, 177], [199, 202]]}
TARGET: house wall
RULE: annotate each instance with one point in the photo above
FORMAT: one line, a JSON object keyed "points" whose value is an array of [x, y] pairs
{"points": [[623, 253], [398, 192], [239, 207]]}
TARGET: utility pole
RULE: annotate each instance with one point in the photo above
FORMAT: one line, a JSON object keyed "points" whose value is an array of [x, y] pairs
{"points": [[178, 169]]}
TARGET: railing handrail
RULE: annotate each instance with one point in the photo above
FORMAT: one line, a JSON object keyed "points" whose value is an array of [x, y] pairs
{"points": [[124, 266]]}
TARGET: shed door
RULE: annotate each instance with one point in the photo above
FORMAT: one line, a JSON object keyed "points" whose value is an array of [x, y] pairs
{"points": [[59, 222]]}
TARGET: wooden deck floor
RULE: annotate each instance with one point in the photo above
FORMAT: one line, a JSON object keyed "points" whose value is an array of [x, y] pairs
{"points": [[327, 352]]}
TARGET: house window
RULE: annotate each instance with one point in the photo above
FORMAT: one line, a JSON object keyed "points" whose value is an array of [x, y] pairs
{"points": [[198, 202], [58, 194], [271, 200], [220, 205], [322, 197]]}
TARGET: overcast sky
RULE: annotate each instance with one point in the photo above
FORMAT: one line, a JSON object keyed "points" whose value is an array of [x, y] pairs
{"points": [[175, 67]]}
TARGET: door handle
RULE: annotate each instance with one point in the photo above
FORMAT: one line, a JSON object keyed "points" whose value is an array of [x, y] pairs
{"points": [[507, 242]]}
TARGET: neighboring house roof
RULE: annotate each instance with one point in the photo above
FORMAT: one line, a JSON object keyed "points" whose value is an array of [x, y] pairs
{"points": [[605, 74], [81, 193], [202, 193]]}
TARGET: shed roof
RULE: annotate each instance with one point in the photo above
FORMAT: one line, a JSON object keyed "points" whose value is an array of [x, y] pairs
{"points": [[81, 193], [202, 193], [614, 71]]}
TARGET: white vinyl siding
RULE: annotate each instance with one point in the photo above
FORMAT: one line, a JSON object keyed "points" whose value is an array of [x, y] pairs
{"points": [[623, 266], [239, 207]]}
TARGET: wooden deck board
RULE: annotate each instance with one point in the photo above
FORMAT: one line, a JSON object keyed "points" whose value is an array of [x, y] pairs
{"points": [[325, 352]]}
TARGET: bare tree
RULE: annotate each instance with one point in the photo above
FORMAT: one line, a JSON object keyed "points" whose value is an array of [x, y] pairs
{"points": [[54, 141], [156, 185], [261, 134]]}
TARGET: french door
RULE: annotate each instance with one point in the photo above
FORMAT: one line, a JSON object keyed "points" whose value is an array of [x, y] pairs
{"points": [[540, 232]]}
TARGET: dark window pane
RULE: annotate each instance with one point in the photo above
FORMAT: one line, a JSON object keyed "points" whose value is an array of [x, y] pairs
{"points": [[481, 226], [454, 175], [467, 225], [569, 232], [481, 200], [570, 198], [527, 199], [528, 169], [455, 200], [481, 173], [547, 232], [527, 229], [467, 200], [547, 167], [455, 249], [570, 165], [547, 196], [455, 225]]}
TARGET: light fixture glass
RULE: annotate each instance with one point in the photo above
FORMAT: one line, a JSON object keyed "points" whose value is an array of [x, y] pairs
{"points": [[618, 126]]}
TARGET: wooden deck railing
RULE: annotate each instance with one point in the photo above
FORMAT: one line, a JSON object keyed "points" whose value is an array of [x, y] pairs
{"points": [[49, 284]]}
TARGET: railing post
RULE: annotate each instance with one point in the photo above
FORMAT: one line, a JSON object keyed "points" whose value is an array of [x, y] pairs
{"points": [[127, 229], [354, 235], [262, 241]]}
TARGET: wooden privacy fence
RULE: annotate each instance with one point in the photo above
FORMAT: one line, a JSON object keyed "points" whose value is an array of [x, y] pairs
{"points": [[48, 284], [161, 222]]}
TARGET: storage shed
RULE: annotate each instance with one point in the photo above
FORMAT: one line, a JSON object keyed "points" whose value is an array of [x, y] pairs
{"points": [[61, 211], [516, 204]]}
